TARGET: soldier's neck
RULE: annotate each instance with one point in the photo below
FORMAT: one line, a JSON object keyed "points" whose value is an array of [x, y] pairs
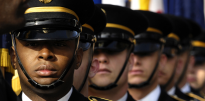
{"points": [[139, 93], [171, 84], [84, 91], [183, 82], [113, 94], [49, 95]]}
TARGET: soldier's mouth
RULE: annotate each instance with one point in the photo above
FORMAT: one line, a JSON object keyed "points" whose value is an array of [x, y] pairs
{"points": [[46, 70]]}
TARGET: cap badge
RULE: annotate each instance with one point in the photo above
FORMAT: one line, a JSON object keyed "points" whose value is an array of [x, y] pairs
{"points": [[45, 1]]}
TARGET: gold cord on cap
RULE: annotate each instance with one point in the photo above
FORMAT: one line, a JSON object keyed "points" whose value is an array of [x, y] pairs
{"points": [[173, 35], [51, 9], [151, 29], [112, 25], [198, 44], [88, 26]]}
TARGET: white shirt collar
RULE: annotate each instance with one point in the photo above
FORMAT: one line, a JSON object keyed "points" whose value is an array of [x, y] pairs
{"points": [[64, 98], [186, 88], [172, 91], [124, 98], [152, 96], [25, 98]]}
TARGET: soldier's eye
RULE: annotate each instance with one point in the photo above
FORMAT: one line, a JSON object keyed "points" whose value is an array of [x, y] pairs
{"points": [[60, 44], [32, 44]]}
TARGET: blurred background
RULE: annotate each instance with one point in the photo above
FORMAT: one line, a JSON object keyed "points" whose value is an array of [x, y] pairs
{"points": [[191, 9]]}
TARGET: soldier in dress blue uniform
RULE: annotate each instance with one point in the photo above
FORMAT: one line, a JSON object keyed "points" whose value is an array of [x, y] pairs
{"points": [[143, 78], [45, 52], [89, 66], [184, 30], [113, 49], [196, 75], [167, 73], [6, 92], [167, 76]]}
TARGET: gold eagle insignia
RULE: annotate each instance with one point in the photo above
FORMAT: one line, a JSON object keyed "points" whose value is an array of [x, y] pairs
{"points": [[45, 1]]}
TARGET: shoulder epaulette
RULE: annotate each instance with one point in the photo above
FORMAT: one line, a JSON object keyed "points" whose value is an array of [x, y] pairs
{"points": [[202, 94], [177, 98], [195, 96], [94, 98]]}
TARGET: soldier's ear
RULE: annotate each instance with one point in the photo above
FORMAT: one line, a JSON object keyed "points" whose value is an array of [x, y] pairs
{"points": [[13, 57], [94, 68], [79, 57]]}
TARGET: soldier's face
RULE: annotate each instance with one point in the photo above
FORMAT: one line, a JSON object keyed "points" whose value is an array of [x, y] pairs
{"points": [[196, 76], [80, 73], [181, 63], [45, 61], [110, 66], [166, 72], [143, 67]]}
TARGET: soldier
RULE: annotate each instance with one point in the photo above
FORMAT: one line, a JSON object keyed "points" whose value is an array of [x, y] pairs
{"points": [[6, 92], [196, 76], [45, 52], [89, 66], [113, 50], [143, 83], [167, 74], [12, 14], [186, 60]]}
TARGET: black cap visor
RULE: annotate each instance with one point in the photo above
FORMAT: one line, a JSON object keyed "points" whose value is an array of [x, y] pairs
{"points": [[146, 47], [115, 46], [84, 45], [36, 35], [170, 51], [199, 60]]}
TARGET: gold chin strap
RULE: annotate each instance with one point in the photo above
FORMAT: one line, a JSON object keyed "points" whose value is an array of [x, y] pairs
{"points": [[51, 9], [195, 96], [198, 44], [88, 26]]}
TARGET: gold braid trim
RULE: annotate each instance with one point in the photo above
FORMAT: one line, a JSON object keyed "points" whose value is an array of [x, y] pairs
{"points": [[93, 98], [16, 86], [51, 9], [177, 98], [5, 60], [195, 96]]}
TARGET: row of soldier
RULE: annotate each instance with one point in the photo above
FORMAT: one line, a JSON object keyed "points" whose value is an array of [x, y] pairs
{"points": [[73, 50]]}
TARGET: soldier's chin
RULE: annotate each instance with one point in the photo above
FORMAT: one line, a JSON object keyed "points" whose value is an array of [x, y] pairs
{"points": [[136, 82], [45, 81], [102, 84]]}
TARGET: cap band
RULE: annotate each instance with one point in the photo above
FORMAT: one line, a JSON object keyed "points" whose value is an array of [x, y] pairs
{"points": [[172, 35], [112, 25], [198, 44], [88, 26], [51, 9], [150, 29]]}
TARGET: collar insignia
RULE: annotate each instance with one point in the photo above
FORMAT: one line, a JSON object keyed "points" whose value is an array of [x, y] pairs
{"points": [[45, 1]]}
